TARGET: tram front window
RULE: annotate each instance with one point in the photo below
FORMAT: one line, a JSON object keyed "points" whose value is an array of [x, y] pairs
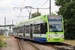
{"points": [[55, 23], [55, 27]]}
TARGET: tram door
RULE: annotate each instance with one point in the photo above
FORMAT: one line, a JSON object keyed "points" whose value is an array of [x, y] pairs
{"points": [[24, 31], [31, 32]]}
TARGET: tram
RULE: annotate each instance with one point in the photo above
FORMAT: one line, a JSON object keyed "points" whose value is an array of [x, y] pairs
{"points": [[42, 29]]}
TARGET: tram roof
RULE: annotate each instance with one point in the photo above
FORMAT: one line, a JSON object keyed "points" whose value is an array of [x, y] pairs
{"points": [[39, 17]]}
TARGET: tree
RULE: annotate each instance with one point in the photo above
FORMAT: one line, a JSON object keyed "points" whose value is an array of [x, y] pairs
{"points": [[35, 14], [67, 10], [61, 2], [53, 14]]}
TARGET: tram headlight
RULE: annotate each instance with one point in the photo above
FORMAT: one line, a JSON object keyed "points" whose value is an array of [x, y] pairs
{"points": [[62, 35], [49, 36]]}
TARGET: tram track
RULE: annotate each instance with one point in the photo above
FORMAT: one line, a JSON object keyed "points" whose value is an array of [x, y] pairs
{"points": [[35, 46], [44, 46], [61, 46], [27, 45], [19, 44], [55, 46], [65, 46]]}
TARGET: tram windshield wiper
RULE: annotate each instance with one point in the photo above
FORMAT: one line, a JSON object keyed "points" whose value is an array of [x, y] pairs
{"points": [[54, 29], [51, 26]]}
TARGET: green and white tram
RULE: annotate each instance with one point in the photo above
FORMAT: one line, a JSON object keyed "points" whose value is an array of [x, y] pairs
{"points": [[42, 28]]}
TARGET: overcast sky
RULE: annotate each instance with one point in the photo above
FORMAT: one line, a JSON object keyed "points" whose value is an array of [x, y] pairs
{"points": [[6, 9]]}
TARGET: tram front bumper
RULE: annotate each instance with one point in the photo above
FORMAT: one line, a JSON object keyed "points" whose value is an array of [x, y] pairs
{"points": [[55, 39]]}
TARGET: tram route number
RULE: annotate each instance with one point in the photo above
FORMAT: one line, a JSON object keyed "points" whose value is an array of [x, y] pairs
{"points": [[56, 35]]}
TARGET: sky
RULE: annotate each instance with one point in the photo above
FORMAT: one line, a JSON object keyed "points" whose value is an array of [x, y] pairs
{"points": [[6, 9]]}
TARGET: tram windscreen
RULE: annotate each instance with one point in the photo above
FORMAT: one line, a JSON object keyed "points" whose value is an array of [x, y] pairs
{"points": [[55, 23]]}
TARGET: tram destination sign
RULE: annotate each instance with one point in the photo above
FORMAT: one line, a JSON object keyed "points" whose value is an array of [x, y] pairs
{"points": [[54, 18]]}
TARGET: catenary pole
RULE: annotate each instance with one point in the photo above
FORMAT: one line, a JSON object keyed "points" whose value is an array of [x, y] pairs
{"points": [[49, 7], [12, 25], [4, 25]]}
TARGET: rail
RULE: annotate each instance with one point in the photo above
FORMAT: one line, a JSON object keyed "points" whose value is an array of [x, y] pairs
{"points": [[19, 44], [35, 46]]}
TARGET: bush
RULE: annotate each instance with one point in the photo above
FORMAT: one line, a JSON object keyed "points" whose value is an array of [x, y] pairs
{"points": [[1, 43]]}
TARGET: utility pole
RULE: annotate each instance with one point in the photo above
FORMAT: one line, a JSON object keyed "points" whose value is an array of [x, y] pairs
{"points": [[29, 15], [49, 7], [12, 25], [4, 25], [38, 9], [5, 22], [28, 10], [12, 22]]}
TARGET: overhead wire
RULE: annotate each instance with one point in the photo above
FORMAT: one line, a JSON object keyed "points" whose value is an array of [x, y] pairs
{"points": [[23, 3], [44, 3], [34, 2], [21, 8], [20, 12]]}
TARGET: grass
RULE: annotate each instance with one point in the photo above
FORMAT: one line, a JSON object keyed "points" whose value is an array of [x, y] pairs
{"points": [[3, 44], [70, 42], [2, 41], [3, 38]]}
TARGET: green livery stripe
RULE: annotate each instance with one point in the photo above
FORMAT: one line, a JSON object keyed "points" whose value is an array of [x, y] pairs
{"points": [[27, 35]]}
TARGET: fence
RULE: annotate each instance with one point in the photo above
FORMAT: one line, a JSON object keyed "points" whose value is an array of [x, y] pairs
{"points": [[2, 31]]}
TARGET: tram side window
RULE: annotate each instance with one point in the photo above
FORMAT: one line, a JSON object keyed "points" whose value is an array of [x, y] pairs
{"points": [[43, 28], [37, 29], [16, 30], [27, 29], [20, 30], [23, 29]]}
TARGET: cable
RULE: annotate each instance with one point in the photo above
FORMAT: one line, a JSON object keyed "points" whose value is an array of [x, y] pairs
{"points": [[20, 12], [44, 3], [21, 9], [23, 3], [34, 2]]}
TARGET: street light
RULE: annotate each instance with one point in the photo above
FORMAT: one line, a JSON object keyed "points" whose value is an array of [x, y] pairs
{"points": [[28, 10], [33, 8], [28, 7]]}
